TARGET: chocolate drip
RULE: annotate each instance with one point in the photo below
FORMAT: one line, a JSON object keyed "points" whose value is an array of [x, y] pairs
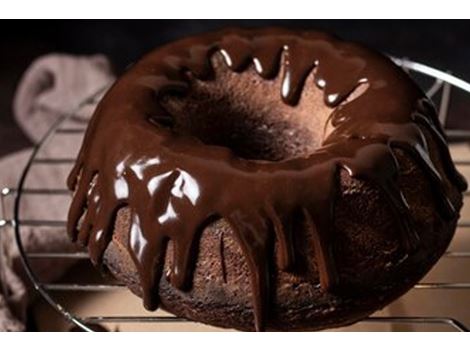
{"points": [[174, 185]]}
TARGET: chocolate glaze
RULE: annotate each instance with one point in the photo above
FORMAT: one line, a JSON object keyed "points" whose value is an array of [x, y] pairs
{"points": [[175, 185]]}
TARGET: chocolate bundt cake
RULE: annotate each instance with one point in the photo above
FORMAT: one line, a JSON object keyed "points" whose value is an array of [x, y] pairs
{"points": [[265, 179]]}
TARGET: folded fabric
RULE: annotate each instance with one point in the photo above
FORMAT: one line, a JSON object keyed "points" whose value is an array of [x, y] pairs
{"points": [[52, 86]]}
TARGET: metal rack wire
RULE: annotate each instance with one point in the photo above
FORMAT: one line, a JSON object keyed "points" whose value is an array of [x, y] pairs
{"points": [[441, 86]]}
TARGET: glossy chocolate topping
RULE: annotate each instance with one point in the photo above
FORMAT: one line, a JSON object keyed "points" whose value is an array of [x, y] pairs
{"points": [[175, 185]]}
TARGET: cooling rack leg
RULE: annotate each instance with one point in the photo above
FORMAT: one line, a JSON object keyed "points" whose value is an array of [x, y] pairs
{"points": [[3, 255]]}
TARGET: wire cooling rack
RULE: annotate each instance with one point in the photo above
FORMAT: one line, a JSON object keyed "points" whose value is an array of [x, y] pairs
{"points": [[439, 86]]}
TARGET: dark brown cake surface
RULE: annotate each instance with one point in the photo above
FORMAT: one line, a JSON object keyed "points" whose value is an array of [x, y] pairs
{"points": [[265, 179]]}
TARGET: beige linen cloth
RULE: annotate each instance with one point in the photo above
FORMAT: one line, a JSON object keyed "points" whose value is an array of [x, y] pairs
{"points": [[52, 86]]}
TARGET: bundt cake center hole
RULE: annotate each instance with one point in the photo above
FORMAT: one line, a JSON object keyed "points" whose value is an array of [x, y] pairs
{"points": [[245, 113]]}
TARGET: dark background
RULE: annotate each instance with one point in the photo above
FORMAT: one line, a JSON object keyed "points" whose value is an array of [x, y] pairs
{"points": [[443, 44]]}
